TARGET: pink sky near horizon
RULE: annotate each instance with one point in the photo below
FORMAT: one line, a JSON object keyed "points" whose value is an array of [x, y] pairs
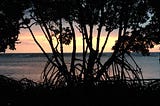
{"points": [[28, 45]]}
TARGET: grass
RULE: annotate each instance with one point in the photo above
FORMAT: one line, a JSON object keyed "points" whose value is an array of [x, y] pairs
{"points": [[25, 92]]}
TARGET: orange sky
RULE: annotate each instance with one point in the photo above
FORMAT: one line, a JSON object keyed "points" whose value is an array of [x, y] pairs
{"points": [[27, 44]]}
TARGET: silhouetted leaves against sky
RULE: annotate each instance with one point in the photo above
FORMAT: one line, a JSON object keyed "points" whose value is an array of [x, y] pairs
{"points": [[11, 12]]}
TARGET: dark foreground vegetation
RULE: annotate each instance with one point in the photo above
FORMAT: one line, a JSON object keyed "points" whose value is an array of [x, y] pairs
{"points": [[25, 92]]}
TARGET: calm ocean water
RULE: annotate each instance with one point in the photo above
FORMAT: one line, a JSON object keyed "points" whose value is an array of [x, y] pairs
{"points": [[31, 65]]}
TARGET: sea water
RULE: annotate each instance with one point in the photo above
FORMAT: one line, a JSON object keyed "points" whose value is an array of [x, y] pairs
{"points": [[31, 65]]}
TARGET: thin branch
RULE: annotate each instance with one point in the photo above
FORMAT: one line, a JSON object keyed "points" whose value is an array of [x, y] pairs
{"points": [[36, 41], [98, 37], [104, 45], [74, 49]]}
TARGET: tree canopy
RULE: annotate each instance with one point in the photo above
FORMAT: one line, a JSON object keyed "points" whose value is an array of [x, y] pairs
{"points": [[135, 21], [131, 14], [10, 15]]}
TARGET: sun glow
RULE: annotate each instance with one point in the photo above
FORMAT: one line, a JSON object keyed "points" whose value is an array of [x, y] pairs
{"points": [[28, 45]]}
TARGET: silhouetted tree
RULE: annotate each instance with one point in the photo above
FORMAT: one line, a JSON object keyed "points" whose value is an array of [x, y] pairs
{"points": [[10, 15], [60, 19], [135, 21]]}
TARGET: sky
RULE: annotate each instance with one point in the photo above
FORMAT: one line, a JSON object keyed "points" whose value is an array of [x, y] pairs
{"points": [[28, 45]]}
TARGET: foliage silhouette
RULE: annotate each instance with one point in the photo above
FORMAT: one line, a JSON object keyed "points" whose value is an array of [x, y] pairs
{"points": [[85, 79], [136, 23], [10, 15], [26, 92], [86, 16]]}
